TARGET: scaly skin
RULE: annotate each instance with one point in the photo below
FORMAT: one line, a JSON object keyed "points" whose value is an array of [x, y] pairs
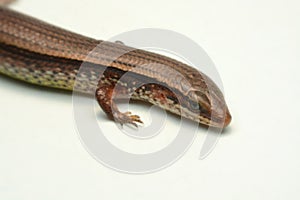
{"points": [[39, 53]]}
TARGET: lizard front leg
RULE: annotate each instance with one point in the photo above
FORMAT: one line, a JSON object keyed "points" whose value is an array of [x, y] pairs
{"points": [[105, 97]]}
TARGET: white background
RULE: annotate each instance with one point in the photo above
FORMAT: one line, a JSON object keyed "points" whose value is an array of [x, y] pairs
{"points": [[255, 46]]}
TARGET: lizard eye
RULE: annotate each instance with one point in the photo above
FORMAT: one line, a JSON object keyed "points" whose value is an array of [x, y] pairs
{"points": [[194, 105]]}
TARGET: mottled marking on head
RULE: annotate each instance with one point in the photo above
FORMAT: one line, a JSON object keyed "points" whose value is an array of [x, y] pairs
{"points": [[203, 102]]}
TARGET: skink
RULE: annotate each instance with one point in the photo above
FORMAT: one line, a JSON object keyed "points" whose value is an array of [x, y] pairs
{"points": [[43, 54]]}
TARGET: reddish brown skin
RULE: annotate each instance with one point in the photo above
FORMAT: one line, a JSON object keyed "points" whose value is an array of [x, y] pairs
{"points": [[30, 44]]}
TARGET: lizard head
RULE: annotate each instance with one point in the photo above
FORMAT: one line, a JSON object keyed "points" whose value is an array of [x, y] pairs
{"points": [[206, 103], [202, 101]]}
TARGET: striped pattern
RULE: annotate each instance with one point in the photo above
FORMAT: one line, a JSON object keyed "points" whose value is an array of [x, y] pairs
{"points": [[42, 54]]}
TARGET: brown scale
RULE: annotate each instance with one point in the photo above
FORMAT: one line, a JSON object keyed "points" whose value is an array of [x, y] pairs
{"points": [[40, 53]]}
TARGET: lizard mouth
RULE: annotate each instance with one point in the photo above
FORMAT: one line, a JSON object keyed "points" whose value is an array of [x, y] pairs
{"points": [[220, 120]]}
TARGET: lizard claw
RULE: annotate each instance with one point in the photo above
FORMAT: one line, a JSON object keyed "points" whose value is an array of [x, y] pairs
{"points": [[127, 118]]}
